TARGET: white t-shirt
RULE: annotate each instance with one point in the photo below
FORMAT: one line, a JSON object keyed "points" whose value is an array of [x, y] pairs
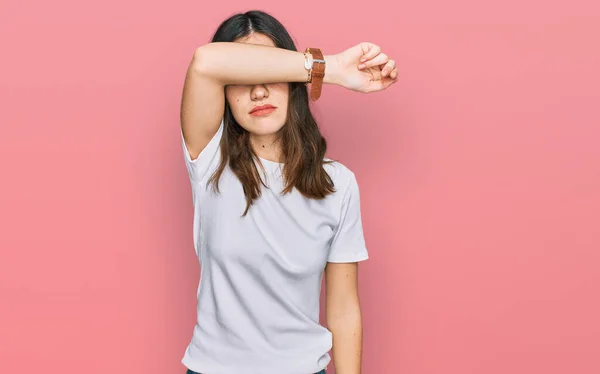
{"points": [[260, 277]]}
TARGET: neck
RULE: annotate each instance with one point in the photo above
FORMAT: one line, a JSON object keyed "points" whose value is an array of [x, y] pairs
{"points": [[266, 146]]}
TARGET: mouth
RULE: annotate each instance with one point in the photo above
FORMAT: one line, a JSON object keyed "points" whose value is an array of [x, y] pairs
{"points": [[262, 110]]}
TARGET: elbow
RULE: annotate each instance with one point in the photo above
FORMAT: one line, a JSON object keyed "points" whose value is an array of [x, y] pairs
{"points": [[206, 62], [205, 57], [198, 63]]}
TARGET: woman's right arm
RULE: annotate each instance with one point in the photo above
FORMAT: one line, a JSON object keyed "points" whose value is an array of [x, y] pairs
{"points": [[363, 68], [215, 65]]}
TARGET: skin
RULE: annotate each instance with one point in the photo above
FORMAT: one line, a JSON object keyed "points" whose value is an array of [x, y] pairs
{"points": [[242, 98]]}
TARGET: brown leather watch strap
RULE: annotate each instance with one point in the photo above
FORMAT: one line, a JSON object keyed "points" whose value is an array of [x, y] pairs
{"points": [[318, 72]]}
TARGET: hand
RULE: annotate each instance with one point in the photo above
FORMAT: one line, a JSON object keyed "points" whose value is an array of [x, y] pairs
{"points": [[364, 68]]}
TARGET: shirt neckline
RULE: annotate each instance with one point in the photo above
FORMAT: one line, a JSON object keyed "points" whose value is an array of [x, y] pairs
{"points": [[273, 163]]}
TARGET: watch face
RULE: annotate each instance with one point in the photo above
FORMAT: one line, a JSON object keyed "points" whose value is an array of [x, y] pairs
{"points": [[308, 61]]}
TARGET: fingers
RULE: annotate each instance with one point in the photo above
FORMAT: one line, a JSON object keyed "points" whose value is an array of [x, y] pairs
{"points": [[374, 57], [380, 59], [386, 82], [388, 68], [369, 50], [385, 73], [380, 85]]}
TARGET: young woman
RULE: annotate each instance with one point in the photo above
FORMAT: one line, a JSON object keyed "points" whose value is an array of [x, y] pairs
{"points": [[271, 212]]}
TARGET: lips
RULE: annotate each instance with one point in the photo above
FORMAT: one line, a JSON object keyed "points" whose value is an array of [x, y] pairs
{"points": [[262, 107]]}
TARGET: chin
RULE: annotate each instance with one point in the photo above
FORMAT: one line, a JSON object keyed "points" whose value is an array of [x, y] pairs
{"points": [[264, 125]]}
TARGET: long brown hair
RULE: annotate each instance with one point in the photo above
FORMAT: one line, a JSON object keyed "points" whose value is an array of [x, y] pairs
{"points": [[302, 145]]}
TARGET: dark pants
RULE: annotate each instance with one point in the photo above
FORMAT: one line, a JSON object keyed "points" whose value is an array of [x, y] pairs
{"points": [[193, 372]]}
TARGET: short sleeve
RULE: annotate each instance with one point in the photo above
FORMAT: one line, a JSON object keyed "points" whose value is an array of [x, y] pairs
{"points": [[348, 243], [207, 159]]}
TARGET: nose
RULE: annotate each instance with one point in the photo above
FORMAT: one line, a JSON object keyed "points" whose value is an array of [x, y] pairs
{"points": [[259, 92]]}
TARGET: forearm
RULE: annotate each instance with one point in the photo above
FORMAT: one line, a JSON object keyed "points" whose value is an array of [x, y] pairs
{"points": [[347, 342], [244, 64]]}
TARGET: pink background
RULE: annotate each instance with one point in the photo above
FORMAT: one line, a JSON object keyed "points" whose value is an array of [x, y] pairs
{"points": [[479, 173]]}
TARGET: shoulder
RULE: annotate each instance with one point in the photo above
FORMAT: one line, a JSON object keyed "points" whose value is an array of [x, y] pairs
{"points": [[341, 175]]}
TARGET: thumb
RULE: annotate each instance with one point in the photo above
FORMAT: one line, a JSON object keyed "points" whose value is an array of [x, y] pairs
{"points": [[381, 84]]}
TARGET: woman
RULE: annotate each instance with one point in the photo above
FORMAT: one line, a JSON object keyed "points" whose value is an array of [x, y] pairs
{"points": [[271, 213]]}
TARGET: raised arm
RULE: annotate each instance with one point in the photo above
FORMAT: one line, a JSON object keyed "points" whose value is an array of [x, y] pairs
{"points": [[215, 65], [363, 68]]}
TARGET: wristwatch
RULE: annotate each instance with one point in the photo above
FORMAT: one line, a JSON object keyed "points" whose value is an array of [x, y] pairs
{"points": [[315, 64]]}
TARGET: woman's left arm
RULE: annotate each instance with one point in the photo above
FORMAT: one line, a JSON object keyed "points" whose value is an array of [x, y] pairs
{"points": [[344, 318]]}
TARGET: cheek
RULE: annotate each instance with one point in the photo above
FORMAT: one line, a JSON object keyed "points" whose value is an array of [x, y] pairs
{"points": [[282, 91], [234, 98]]}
